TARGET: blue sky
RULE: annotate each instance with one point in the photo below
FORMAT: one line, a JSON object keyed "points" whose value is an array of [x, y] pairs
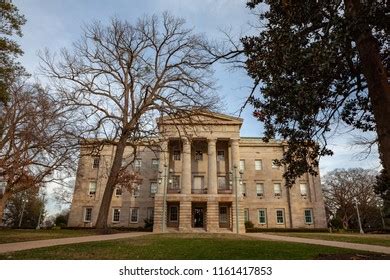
{"points": [[54, 24]]}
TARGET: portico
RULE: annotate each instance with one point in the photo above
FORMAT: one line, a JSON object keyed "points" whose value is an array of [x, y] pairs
{"points": [[198, 179]]}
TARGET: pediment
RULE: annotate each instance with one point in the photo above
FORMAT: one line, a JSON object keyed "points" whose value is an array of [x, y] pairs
{"points": [[201, 118]]}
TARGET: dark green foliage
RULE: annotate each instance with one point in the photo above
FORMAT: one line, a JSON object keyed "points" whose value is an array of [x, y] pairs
{"points": [[382, 188], [287, 230], [306, 64], [10, 24], [62, 219], [249, 224]]}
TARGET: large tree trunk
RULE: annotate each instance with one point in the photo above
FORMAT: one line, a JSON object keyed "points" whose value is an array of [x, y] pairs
{"points": [[101, 222], [3, 202], [377, 81]]}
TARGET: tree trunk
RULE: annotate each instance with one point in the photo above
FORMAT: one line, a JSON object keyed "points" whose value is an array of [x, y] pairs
{"points": [[102, 218], [378, 86], [3, 202]]}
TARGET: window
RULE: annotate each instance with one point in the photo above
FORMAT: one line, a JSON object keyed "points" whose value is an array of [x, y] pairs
{"points": [[118, 191], [242, 165], [173, 214], [223, 214], [220, 155], [198, 155], [116, 215], [277, 189], [150, 214], [259, 189], [280, 216], [175, 182], [95, 163], [243, 188], [262, 216], [136, 190], [258, 164], [246, 215], [92, 187], [308, 216], [198, 185], [133, 215], [303, 188], [138, 164], [221, 182], [274, 164], [88, 214], [176, 155], [155, 163], [153, 188]]}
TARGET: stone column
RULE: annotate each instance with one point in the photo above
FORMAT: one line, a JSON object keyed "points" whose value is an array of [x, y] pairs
{"points": [[212, 167], [163, 166], [235, 154], [186, 168], [234, 143]]}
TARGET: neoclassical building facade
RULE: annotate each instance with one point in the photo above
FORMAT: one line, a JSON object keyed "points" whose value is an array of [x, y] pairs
{"points": [[204, 177]]}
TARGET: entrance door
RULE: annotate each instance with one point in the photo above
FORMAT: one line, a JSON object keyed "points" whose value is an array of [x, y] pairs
{"points": [[198, 216]]}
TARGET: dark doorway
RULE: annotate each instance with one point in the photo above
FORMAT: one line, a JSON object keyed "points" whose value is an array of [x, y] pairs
{"points": [[198, 216]]}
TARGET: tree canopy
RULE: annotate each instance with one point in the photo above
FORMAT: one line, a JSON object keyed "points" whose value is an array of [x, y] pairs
{"points": [[10, 24], [315, 64]]}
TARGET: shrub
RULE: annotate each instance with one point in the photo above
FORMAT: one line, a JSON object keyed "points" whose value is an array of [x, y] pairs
{"points": [[249, 225]]}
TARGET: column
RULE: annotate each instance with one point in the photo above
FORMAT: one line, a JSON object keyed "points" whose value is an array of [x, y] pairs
{"points": [[163, 166], [212, 167], [186, 168]]}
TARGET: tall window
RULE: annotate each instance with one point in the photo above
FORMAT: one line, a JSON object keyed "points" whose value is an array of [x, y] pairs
{"points": [[277, 189], [95, 163], [198, 155], [308, 216], [133, 215], [155, 163], [150, 214], [258, 164], [87, 214], [220, 155], [262, 216], [243, 188], [304, 189], [175, 185], [221, 182], [173, 213], [242, 165], [153, 188], [118, 191], [92, 187], [138, 164], [116, 215], [280, 216], [259, 189], [136, 190], [176, 155], [198, 184], [223, 214], [246, 215]]}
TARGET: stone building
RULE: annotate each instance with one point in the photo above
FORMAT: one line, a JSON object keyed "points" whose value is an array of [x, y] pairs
{"points": [[211, 179]]}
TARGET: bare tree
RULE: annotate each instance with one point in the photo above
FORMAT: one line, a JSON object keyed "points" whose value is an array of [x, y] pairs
{"points": [[341, 187], [120, 77], [34, 144]]}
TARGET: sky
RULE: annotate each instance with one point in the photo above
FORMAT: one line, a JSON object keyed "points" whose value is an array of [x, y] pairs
{"points": [[55, 24]]}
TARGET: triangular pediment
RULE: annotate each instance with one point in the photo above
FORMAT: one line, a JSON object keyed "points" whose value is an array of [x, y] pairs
{"points": [[201, 118]]}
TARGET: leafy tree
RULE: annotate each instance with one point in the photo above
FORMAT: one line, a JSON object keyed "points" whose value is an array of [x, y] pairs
{"points": [[382, 188], [341, 187], [61, 219], [119, 78], [317, 63], [30, 203], [10, 24]]}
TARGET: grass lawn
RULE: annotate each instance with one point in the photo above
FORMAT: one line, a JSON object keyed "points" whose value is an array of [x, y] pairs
{"points": [[183, 246], [20, 235], [371, 239]]}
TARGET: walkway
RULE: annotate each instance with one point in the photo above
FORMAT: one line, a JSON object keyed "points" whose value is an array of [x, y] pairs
{"points": [[19, 246], [354, 246]]}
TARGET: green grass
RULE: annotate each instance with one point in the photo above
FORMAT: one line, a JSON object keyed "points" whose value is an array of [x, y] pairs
{"points": [[371, 239], [183, 246], [20, 235]]}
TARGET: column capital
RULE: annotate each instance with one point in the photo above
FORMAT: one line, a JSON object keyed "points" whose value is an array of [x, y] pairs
{"points": [[185, 140], [234, 140], [212, 140]]}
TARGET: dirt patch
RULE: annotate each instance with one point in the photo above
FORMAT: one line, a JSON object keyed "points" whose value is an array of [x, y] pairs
{"points": [[353, 257]]}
